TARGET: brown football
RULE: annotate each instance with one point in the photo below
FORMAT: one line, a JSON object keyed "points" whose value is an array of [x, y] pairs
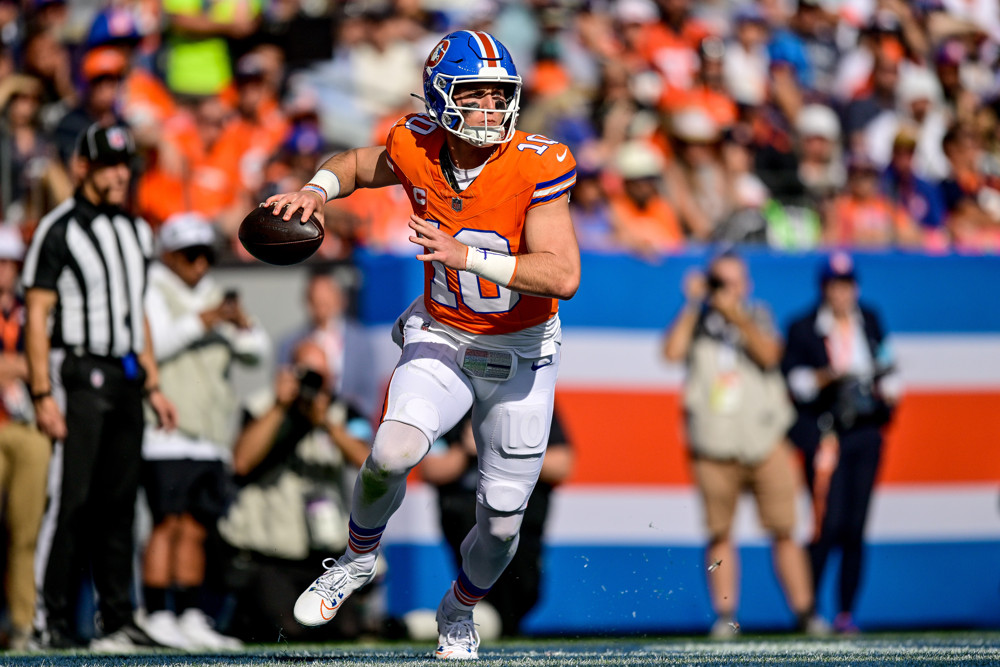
{"points": [[274, 240]]}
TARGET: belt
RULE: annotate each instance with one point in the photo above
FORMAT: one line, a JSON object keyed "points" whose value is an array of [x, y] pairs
{"points": [[129, 364]]}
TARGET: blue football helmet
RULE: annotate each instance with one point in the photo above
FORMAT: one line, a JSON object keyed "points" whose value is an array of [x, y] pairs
{"points": [[468, 56]]}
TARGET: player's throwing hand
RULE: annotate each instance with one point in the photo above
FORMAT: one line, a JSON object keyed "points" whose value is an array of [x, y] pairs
{"points": [[309, 201]]}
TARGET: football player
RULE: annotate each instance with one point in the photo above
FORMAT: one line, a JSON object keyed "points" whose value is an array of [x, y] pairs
{"points": [[491, 214]]}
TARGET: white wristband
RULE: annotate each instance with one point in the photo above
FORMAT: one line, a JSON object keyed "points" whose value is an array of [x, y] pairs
{"points": [[491, 265], [327, 181]]}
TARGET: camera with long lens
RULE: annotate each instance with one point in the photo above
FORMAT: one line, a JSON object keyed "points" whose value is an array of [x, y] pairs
{"points": [[856, 400], [310, 384]]}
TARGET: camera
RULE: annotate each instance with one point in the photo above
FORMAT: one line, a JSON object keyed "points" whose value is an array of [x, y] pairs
{"points": [[714, 282], [231, 295], [310, 383]]}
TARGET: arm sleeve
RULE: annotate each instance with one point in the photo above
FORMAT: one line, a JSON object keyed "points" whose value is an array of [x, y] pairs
{"points": [[170, 335], [801, 375], [46, 257], [250, 346]]}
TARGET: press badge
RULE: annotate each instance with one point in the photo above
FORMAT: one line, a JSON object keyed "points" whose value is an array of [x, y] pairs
{"points": [[487, 364]]}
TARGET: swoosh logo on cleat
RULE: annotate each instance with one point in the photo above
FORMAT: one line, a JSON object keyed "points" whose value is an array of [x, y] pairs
{"points": [[323, 606]]}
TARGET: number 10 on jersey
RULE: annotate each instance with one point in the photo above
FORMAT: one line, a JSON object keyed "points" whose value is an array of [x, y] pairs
{"points": [[478, 295]]}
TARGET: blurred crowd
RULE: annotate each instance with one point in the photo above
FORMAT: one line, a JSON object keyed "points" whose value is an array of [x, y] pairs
{"points": [[791, 123]]}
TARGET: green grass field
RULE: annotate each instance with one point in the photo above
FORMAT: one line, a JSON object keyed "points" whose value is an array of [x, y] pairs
{"points": [[951, 648]]}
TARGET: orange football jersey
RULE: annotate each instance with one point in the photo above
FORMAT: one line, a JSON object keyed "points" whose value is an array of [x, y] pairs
{"points": [[525, 172]]}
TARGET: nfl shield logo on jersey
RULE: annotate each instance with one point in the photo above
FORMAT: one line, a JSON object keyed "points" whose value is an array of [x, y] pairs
{"points": [[456, 203]]}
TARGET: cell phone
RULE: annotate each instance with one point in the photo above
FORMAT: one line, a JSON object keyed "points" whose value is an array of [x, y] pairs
{"points": [[231, 295]]}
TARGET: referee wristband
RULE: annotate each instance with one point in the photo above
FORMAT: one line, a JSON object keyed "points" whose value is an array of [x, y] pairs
{"points": [[326, 183], [148, 391], [491, 265], [40, 395]]}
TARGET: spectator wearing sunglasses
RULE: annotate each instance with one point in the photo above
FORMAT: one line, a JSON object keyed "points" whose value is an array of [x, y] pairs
{"points": [[198, 333]]}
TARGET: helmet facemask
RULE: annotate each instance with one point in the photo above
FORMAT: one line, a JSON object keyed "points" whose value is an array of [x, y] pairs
{"points": [[453, 117]]}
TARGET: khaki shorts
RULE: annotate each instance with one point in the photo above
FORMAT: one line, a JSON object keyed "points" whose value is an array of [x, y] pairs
{"points": [[774, 483]]}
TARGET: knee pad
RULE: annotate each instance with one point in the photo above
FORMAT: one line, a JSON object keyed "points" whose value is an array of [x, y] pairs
{"points": [[397, 448], [415, 411], [504, 495]]}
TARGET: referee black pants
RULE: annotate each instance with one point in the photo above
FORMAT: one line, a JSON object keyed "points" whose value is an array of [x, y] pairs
{"points": [[102, 454]]}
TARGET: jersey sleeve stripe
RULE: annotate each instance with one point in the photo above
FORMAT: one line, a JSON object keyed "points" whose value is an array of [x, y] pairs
{"points": [[554, 195], [544, 184], [568, 183]]}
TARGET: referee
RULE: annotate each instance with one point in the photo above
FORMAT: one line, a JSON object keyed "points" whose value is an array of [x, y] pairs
{"points": [[85, 273]]}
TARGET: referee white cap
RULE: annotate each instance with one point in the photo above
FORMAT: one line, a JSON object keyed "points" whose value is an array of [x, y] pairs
{"points": [[186, 230]]}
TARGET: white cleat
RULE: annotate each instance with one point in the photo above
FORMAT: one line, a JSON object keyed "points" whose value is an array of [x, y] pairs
{"points": [[457, 640], [321, 601]]}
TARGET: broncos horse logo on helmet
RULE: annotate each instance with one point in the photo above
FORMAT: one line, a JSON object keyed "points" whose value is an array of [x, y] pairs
{"points": [[469, 56]]}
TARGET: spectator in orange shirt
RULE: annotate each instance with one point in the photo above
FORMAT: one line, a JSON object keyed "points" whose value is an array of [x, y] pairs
{"points": [[259, 126], [863, 217], [671, 45], [708, 90], [643, 218], [193, 170]]}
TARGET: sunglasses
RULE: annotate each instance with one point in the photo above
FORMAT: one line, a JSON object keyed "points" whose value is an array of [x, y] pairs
{"points": [[192, 254]]}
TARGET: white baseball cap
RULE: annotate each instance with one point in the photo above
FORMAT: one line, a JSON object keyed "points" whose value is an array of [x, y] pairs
{"points": [[637, 159], [918, 83], [11, 243], [694, 125], [818, 120], [186, 230]]}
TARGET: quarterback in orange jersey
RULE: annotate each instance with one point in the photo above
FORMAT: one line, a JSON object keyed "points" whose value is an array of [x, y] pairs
{"points": [[491, 221]]}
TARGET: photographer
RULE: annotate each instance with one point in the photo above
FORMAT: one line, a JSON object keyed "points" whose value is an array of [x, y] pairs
{"points": [[737, 411], [295, 459], [843, 382]]}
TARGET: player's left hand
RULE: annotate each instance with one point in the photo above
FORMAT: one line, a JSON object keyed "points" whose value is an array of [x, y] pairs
{"points": [[439, 246]]}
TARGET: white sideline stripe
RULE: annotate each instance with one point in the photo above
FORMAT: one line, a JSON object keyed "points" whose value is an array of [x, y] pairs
{"points": [[637, 516], [630, 359]]}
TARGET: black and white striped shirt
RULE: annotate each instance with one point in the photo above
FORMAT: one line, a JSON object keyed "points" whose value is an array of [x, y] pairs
{"points": [[95, 259]]}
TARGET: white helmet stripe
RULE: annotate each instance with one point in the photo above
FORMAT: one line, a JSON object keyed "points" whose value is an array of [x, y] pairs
{"points": [[487, 47]]}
